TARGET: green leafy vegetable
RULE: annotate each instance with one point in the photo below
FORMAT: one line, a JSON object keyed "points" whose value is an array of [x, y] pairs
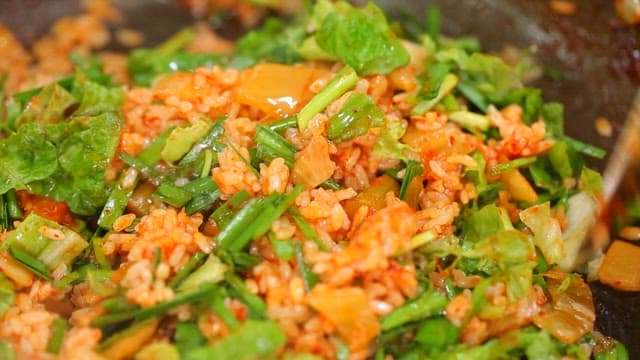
{"points": [[388, 143], [361, 38]]}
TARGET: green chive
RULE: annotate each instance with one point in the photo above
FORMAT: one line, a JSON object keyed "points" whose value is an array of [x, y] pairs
{"points": [[272, 145], [172, 194], [413, 169], [151, 154], [513, 164], [340, 84], [58, 329], [283, 124], [118, 199], [309, 278], [36, 266]]}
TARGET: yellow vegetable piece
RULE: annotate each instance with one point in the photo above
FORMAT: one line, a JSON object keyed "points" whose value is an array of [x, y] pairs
{"points": [[518, 186], [128, 345], [620, 268], [348, 309], [278, 90]]}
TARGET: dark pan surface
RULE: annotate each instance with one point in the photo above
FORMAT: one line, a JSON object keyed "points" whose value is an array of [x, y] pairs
{"points": [[590, 49]]}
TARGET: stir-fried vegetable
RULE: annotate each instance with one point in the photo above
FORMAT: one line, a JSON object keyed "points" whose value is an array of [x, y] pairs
{"points": [[326, 188]]}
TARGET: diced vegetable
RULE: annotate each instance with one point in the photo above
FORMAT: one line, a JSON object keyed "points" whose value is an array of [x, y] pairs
{"points": [[581, 215], [620, 267], [15, 271], [158, 351], [313, 164], [573, 313], [278, 90], [470, 120], [518, 186], [348, 309], [373, 196], [125, 344], [546, 231]]}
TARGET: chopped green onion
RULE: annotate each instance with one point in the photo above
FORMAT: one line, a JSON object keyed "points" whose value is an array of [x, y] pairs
{"points": [[433, 23], [118, 199], [331, 185], [340, 84], [172, 194], [150, 155], [151, 173], [188, 336], [117, 304], [474, 96], [98, 252], [307, 230], [204, 292], [428, 303], [208, 142], [53, 247], [272, 145], [283, 249], [34, 265], [358, 114], [241, 260], [211, 272], [309, 278], [273, 211], [58, 329], [470, 120], [13, 206], [207, 163], [513, 164], [246, 162], [255, 304], [186, 270], [585, 148], [5, 218], [236, 227], [67, 280], [220, 308], [283, 124], [223, 214], [413, 169]]}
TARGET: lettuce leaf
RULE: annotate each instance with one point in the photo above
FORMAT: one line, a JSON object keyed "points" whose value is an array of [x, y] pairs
{"points": [[26, 156], [361, 38], [49, 108], [85, 146], [388, 143]]}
